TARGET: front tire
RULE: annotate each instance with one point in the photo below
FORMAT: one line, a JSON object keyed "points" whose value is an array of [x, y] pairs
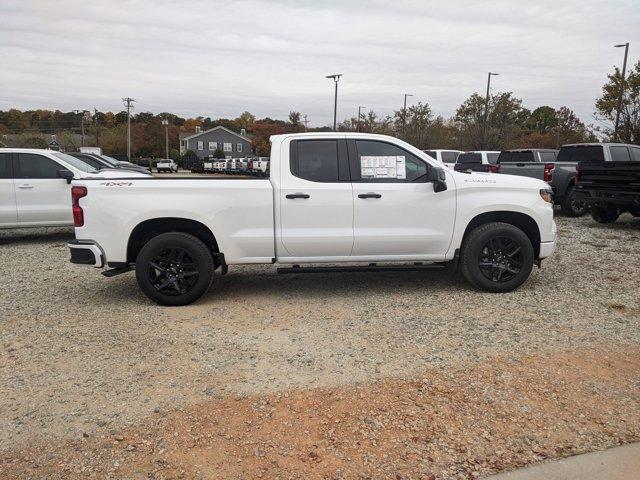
{"points": [[174, 269], [572, 207], [497, 257], [604, 215]]}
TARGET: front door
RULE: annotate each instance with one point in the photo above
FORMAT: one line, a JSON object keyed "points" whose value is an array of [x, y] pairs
{"points": [[316, 200], [396, 211], [42, 197], [8, 213]]}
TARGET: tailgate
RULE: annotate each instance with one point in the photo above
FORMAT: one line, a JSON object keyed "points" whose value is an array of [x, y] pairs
{"points": [[610, 176], [523, 169]]}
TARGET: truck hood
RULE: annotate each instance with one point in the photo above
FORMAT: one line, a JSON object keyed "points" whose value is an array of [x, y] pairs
{"points": [[500, 180]]}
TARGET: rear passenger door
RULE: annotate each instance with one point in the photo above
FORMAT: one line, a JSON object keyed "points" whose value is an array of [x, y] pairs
{"points": [[316, 201], [8, 213], [42, 197]]}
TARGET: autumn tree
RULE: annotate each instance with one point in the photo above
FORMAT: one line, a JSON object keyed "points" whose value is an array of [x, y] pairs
{"points": [[246, 121], [607, 105]]}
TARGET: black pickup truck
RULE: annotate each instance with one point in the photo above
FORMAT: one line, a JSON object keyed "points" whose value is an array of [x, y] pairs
{"points": [[609, 188]]}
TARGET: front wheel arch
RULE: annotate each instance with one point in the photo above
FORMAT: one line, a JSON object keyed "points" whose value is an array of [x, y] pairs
{"points": [[520, 220]]}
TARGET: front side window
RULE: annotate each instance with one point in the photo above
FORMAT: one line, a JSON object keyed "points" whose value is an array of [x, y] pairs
{"points": [[75, 162], [635, 154], [431, 153], [5, 166], [449, 157], [200, 145], [239, 147], [227, 147], [620, 154], [31, 165], [382, 162], [316, 160]]}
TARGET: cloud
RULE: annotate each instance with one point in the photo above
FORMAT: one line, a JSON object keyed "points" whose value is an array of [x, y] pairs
{"points": [[219, 58]]}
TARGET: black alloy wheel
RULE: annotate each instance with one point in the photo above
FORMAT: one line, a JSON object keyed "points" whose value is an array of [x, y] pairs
{"points": [[501, 259], [173, 272]]}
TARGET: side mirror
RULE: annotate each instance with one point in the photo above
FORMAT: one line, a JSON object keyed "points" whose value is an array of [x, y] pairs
{"points": [[438, 177], [66, 174]]}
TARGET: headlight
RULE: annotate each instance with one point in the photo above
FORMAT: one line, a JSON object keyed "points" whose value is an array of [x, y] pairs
{"points": [[547, 195]]}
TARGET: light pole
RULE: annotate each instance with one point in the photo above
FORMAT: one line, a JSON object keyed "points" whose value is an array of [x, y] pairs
{"points": [[360, 115], [128, 101], [82, 113], [165, 122], [486, 109], [336, 79], [624, 68], [404, 113]]}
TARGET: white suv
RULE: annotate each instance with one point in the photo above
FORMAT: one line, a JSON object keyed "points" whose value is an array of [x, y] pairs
{"points": [[35, 188]]}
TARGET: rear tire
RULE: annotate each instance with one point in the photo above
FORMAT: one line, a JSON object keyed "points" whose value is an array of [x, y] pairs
{"points": [[174, 269], [572, 207], [604, 215], [497, 257]]}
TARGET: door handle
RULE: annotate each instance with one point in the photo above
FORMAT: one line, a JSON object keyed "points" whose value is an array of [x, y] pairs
{"points": [[25, 186], [370, 195], [297, 195]]}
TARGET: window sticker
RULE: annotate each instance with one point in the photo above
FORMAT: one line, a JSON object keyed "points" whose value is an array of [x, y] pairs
{"points": [[383, 167]]}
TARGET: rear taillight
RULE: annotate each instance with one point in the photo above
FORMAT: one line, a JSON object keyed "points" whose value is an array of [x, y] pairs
{"points": [[494, 168], [78, 215], [548, 172]]}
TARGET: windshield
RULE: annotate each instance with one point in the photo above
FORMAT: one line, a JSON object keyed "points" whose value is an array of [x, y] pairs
{"points": [[75, 162], [580, 153], [110, 160]]}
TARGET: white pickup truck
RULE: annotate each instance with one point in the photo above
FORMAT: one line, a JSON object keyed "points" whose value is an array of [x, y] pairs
{"points": [[331, 198]]}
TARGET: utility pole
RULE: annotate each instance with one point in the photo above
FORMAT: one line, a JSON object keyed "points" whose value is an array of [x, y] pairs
{"points": [[621, 95], [336, 79], [404, 113], [306, 122], [82, 114], [165, 122], [128, 101], [486, 110], [359, 116], [95, 119]]}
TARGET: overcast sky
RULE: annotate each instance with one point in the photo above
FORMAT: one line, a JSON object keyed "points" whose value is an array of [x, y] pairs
{"points": [[220, 58]]}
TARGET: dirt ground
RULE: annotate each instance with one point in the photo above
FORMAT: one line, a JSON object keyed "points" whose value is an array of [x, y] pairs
{"points": [[401, 374], [467, 422]]}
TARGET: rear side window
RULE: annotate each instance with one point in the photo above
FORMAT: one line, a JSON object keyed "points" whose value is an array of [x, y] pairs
{"points": [[315, 160], [31, 165], [635, 154], [581, 153], [6, 171], [620, 154], [547, 157], [449, 157], [492, 157], [504, 157], [469, 158]]}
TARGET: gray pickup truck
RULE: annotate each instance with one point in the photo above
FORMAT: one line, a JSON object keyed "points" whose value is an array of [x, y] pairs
{"points": [[558, 168]]}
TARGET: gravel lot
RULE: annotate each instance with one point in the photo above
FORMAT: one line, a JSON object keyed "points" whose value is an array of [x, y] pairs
{"points": [[82, 355]]}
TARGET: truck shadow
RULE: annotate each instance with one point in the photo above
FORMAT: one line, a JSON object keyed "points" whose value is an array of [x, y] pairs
{"points": [[36, 235]]}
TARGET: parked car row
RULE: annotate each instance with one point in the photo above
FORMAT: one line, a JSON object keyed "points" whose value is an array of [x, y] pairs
{"points": [[258, 167], [556, 167]]}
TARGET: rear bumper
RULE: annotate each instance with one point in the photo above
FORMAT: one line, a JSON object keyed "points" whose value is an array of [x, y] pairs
{"points": [[86, 252]]}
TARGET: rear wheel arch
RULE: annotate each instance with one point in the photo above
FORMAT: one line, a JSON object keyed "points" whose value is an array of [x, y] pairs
{"points": [[520, 220], [148, 229]]}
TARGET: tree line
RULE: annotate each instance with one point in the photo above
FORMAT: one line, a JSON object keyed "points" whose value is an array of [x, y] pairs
{"points": [[508, 125]]}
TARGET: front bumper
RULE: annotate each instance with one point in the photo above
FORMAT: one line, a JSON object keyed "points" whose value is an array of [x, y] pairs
{"points": [[86, 252], [547, 248]]}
